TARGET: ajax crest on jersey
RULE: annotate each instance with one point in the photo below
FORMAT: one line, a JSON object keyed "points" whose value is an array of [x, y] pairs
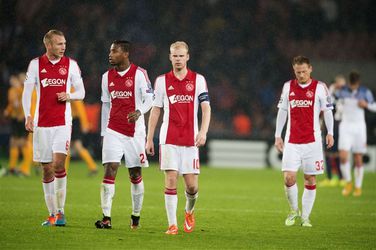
{"points": [[189, 86], [63, 71], [309, 94], [128, 83]]}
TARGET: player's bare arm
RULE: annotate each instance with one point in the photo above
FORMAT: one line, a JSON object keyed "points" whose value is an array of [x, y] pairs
{"points": [[200, 139], [153, 120], [133, 116]]}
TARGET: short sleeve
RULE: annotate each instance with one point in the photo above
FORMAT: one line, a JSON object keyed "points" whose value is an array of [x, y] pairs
{"points": [[324, 97], [105, 96], [159, 91], [369, 96], [284, 99]]}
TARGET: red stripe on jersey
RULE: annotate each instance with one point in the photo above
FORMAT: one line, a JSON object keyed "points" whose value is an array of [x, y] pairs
{"points": [[122, 92], [181, 96], [310, 187], [302, 101], [52, 80]]}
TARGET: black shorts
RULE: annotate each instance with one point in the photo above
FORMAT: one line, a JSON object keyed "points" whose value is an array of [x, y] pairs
{"points": [[76, 130], [18, 129]]}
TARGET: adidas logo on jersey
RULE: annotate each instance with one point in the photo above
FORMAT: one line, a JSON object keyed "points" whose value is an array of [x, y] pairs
{"points": [[292, 94], [171, 88], [112, 84], [43, 71]]}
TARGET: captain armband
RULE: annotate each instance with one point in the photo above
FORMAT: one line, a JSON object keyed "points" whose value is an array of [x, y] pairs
{"points": [[203, 97]]}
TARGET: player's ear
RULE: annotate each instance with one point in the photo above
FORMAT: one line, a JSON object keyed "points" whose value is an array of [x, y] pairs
{"points": [[170, 57], [187, 56]]}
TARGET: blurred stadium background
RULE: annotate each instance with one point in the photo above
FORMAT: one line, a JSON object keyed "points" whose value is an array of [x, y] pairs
{"points": [[244, 49]]}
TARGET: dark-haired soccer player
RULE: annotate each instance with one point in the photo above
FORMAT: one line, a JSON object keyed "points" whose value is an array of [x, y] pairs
{"points": [[354, 99], [302, 101], [126, 96]]}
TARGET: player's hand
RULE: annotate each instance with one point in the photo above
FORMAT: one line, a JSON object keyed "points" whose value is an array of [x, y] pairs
{"points": [[363, 104], [29, 124], [329, 141], [133, 117], [150, 147], [200, 139], [279, 144], [63, 97]]}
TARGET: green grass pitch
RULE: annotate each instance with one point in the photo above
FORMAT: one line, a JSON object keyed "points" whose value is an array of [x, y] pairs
{"points": [[237, 209]]}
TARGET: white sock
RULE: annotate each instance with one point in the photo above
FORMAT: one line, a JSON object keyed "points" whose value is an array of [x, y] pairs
{"points": [[60, 189], [137, 193], [346, 171], [292, 196], [309, 195], [107, 194], [171, 203], [49, 196], [191, 200], [358, 176]]}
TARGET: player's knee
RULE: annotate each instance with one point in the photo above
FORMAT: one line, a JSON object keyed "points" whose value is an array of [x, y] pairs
{"points": [[290, 181], [135, 173], [191, 189], [110, 169]]}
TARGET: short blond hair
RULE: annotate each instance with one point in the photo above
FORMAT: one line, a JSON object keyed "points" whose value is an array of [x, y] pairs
{"points": [[48, 36], [179, 44]]}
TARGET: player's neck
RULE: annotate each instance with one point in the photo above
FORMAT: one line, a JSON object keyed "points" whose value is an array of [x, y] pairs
{"points": [[52, 57], [305, 83], [123, 66], [354, 86], [181, 73]]}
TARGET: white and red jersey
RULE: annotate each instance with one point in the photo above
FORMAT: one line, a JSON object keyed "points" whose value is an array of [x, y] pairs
{"points": [[180, 100], [126, 91], [304, 104], [50, 78]]}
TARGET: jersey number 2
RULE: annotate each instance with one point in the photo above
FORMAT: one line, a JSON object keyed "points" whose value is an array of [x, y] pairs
{"points": [[142, 158]]}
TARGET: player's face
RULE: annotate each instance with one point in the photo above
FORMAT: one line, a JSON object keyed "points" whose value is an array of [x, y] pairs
{"points": [[179, 58], [302, 72], [117, 56], [56, 47]]}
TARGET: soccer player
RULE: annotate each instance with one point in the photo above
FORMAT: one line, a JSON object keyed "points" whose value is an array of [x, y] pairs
{"points": [[179, 92], [354, 99], [302, 100], [18, 138], [52, 74], [334, 176], [80, 126], [126, 96]]}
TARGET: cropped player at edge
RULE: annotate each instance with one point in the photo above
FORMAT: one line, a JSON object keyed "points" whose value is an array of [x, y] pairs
{"points": [[302, 100], [179, 92], [126, 96], [53, 74]]}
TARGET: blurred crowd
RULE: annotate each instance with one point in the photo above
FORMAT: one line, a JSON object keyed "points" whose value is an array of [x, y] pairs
{"points": [[244, 48]]}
